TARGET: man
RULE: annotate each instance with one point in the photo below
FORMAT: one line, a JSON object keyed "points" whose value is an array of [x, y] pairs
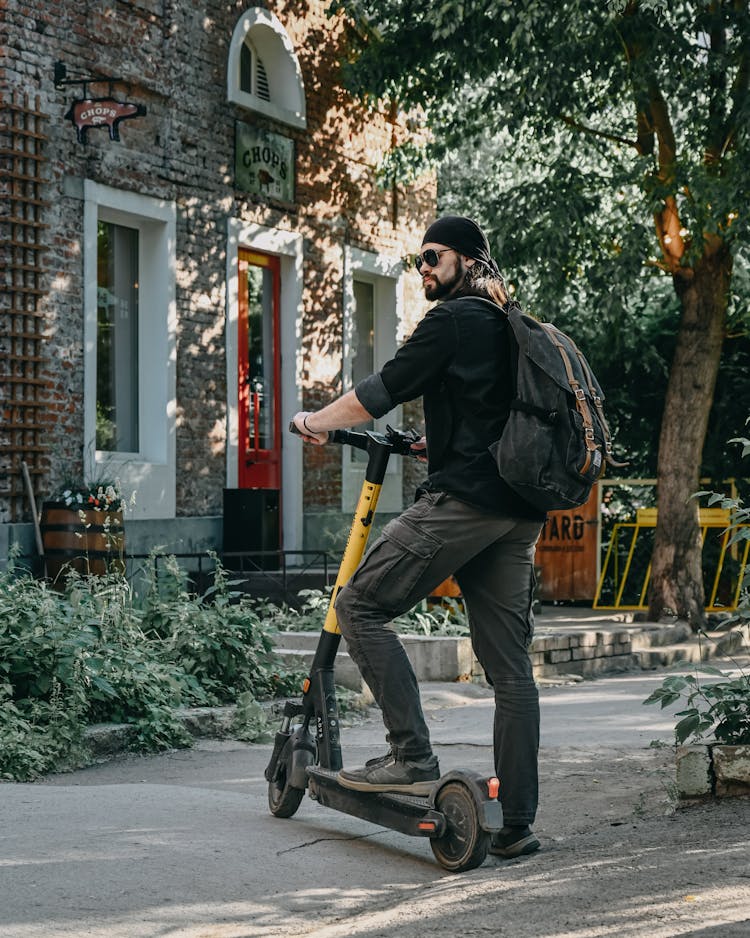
{"points": [[465, 522]]}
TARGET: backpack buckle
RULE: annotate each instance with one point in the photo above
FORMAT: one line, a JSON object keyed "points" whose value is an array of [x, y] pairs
{"points": [[589, 432], [580, 394]]}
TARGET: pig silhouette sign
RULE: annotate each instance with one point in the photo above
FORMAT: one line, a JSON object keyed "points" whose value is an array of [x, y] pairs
{"points": [[87, 113]]}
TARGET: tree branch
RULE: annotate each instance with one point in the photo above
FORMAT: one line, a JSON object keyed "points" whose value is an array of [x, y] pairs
{"points": [[615, 138], [668, 225]]}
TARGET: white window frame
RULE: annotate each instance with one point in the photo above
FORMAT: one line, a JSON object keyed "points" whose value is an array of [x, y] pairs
{"points": [[275, 49], [150, 472], [288, 247], [386, 275]]}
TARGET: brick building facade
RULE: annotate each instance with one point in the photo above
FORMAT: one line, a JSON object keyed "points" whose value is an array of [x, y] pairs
{"points": [[174, 296]]}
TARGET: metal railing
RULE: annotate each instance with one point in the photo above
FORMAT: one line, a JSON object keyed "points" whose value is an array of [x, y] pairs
{"points": [[273, 574], [626, 572]]}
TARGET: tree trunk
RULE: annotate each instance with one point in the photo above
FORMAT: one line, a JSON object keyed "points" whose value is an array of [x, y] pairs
{"points": [[676, 586]]}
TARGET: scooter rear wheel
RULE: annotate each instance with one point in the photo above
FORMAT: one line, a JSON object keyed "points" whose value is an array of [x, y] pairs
{"points": [[464, 844], [283, 799]]}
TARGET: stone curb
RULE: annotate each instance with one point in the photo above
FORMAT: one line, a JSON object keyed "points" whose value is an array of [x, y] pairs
{"points": [[705, 770], [107, 739]]}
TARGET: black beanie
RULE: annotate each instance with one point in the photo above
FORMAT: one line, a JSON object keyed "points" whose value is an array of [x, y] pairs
{"points": [[463, 235]]}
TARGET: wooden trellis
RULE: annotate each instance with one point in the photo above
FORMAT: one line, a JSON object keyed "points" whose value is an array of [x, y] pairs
{"points": [[22, 244]]}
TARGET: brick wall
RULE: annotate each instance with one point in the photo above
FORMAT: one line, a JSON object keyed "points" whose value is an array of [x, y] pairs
{"points": [[172, 58]]}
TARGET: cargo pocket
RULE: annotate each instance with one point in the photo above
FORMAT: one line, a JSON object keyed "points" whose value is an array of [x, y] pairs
{"points": [[398, 560]]}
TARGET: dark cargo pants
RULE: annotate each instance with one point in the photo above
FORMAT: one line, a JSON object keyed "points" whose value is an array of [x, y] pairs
{"points": [[492, 558]]}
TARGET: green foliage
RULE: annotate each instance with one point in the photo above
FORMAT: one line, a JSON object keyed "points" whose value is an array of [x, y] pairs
{"points": [[721, 707], [448, 619], [533, 116], [221, 640], [250, 721], [98, 653], [444, 620]]}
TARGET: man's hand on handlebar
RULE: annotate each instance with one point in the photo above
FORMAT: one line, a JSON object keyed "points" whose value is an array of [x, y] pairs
{"points": [[419, 449], [309, 436]]}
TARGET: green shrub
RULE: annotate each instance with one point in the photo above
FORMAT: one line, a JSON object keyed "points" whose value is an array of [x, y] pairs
{"points": [[449, 619], [98, 653], [221, 640], [720, 708]]}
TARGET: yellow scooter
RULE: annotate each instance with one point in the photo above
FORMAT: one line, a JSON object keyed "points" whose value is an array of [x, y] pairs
{"points": [[462, 809]]}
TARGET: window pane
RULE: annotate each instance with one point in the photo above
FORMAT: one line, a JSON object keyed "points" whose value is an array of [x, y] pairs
{"points": [[246, 69], [260, 356], [117, 338], [363, 343]]}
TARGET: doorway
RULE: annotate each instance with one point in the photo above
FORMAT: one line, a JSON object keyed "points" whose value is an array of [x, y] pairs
{"points": [[259, 394]]}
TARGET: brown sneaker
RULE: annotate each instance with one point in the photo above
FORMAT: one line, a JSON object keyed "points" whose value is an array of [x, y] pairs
{"points": [[412, 778], [513, 842]]}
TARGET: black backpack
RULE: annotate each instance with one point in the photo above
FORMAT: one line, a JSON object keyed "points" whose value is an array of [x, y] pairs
{"points": [[556, 441]]}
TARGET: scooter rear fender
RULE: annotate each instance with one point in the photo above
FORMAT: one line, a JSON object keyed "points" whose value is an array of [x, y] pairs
{"points": [[489, 810]]}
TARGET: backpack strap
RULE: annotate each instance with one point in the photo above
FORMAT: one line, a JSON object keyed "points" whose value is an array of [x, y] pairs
{"points": [[594, 391], [580, 395], [599, 410]]}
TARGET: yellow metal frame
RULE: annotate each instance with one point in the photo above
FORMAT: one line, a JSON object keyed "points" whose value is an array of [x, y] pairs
{"points": [[646, 518], [355, 547]]}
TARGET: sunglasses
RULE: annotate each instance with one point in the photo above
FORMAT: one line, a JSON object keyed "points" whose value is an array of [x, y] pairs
{"points": [[429, 257]]}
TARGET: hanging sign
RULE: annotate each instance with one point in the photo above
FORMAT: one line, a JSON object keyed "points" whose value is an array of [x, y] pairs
{"points": [[101, 112], [264, 163], [88, 112]]}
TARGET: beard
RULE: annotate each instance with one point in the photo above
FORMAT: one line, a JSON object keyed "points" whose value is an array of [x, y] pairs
{"points": [[438, 290]]}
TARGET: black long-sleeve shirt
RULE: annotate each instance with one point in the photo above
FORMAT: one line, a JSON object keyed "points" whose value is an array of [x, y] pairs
{"points": [[458, 361]]}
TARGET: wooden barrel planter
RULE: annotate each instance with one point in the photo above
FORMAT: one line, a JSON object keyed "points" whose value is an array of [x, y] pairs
{"points": [[89, 542]]}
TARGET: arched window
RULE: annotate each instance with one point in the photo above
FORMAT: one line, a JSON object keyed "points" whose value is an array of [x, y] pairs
{"points": [[263, 73]]}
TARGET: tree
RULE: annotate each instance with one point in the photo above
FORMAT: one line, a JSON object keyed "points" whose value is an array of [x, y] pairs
{"points": [[619, 132]]}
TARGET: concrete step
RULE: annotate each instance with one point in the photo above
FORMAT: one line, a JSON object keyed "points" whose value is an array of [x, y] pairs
{"points": [[346, 671], [434, 658], [656, 636], [694, 651], [585, 653], [304, 640]]}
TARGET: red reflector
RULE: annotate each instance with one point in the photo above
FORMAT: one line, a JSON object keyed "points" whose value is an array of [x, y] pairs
{"points": [[426, 826], [493, 787], [306, 685]]}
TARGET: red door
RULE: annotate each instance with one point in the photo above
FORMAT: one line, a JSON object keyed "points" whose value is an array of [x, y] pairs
{"points": [[259, 372]]}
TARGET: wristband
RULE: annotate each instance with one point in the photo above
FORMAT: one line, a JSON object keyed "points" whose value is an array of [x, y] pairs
{"points": [[304, 424]]}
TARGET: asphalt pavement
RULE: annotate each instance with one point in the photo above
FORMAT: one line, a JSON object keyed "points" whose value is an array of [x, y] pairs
{"points": [[181, 845]]}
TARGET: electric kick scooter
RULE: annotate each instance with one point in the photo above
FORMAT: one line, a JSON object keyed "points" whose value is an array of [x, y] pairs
{"points": [[462, 809]]}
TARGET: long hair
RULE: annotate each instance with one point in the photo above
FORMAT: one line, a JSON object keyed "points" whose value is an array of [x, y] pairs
{"points": [[482, 281]]}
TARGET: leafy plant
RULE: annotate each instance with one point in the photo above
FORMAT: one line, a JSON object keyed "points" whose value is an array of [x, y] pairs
{"points": [[445, 620], [721, 707], [222, 640], [99, 653]]}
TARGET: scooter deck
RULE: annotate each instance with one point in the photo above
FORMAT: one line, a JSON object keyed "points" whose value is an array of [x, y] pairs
{"points": [[408, 814]]}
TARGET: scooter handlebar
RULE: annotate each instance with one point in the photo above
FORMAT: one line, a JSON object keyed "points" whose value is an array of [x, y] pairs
{"points": [[399, 441]]}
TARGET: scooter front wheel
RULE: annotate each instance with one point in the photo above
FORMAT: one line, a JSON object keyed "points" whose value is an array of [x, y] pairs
{"points": [[283, 799], [464, 844]]}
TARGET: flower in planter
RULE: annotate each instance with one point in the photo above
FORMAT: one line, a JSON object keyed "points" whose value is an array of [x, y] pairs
{"points": [[93, 496]]}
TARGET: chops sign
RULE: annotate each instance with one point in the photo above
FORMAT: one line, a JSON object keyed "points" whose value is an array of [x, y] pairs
{"points": [[101, 112]]}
